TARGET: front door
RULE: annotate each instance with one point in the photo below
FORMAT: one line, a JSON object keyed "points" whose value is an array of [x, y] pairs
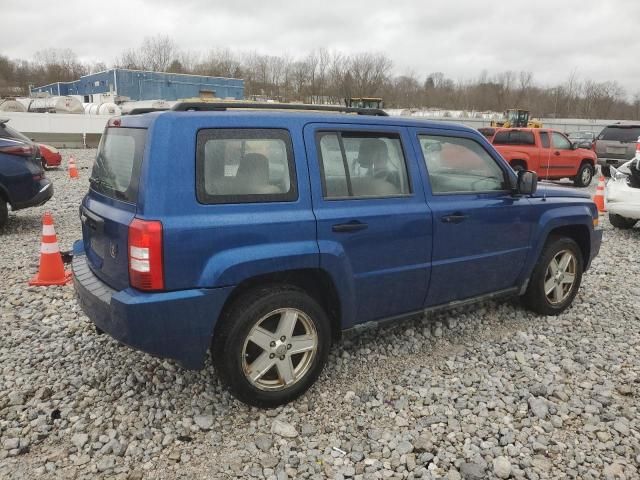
{"points": [[373, 224], [564, 159], [481, 231]]}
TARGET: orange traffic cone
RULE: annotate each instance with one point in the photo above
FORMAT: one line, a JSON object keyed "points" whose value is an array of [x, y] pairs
{"points": [[51, 270], [73, 170], [598, 198]]}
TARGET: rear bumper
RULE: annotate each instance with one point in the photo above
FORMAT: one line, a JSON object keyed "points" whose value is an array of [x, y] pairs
{"points": [[53, 160], [612, 162], [44, 194], [176, 325], [622, 199]]}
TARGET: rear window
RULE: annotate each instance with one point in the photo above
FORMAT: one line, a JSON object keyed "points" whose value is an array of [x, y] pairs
{"points": [[116, 171], [620, 134], [245, 165], [514, 137]]}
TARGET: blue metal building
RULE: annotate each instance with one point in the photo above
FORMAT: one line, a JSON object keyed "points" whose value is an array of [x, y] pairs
{"points": [[142, 85]]}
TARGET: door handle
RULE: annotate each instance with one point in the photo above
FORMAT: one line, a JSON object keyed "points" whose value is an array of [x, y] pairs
{"points": [[352, 226], [556, 153], [456, 217]]}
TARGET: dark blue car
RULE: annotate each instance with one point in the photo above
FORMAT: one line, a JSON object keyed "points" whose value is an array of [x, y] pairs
{"points": [[22, 180], [262, 235]]}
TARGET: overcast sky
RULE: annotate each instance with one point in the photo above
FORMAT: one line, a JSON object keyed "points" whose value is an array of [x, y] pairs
{"points": [[598, 39]]}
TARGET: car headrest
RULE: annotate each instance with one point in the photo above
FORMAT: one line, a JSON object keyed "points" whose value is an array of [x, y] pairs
{"points": [[372, 152], [254, 167]]}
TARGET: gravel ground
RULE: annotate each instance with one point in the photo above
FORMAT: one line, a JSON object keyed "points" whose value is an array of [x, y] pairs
{"points": [[491, 391]]}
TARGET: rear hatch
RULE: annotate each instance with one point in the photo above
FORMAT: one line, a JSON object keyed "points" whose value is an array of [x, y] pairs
{"points": [[109, 207], [618, 142]]}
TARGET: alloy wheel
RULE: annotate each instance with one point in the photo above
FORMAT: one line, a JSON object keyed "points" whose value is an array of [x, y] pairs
{"points": [[279, 349], [560, 277]]}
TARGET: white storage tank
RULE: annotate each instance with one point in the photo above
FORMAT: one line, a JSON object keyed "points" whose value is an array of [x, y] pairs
{"points": [[56, 105], [109, 108], [90, 108], [11, 105]]}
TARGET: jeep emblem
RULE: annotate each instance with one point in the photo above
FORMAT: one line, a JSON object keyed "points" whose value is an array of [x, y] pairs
{"points": [[113, 250]]}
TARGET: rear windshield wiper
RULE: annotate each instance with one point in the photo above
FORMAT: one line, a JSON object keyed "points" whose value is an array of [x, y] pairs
{"points": [[98, 182]]}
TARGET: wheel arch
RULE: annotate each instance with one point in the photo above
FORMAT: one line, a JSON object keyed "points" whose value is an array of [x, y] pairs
{"points": [[575, 224], [519, 161], [314, 281]]}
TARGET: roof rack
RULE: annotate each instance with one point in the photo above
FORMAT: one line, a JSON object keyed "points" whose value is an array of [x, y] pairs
{"points": [[141, 110], [222, 106]]}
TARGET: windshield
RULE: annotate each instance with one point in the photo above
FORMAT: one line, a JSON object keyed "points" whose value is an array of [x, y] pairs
{"points": [[117, 167]]}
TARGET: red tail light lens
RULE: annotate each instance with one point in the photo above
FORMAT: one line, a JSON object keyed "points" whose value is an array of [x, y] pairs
{"points": [[146, 269], [21, 150]]}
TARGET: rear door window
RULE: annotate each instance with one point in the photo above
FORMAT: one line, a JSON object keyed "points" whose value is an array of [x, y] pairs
{"points": [[362, 165], [514, 137], [620, 134], [116, 171], [544, 139], [245, 165]]}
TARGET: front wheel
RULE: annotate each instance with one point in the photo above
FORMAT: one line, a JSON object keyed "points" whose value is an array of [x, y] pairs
{"points": [[556, 277], [584, 176], [271, 345], [621, 222]]}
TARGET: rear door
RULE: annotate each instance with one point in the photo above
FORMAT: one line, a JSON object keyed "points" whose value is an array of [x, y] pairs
{"points": [[373, 224], [110, 205], [481, 232]]}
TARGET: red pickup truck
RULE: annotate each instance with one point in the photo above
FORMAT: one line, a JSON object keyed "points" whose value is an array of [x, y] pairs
{"points": [[548, 153]]}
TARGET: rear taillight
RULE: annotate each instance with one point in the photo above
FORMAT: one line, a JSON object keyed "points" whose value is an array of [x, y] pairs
{"points": [[21, 150], [638, 148], [146, 271]]}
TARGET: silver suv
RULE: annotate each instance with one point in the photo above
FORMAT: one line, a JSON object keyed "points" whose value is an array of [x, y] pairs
{"points": [[616, 145]]}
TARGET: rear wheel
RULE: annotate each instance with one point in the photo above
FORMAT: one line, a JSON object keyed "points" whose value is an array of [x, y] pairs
{"points": [[4, 212], [556, 277], [584, 176], [605, 170], [271, 345], [619, 221]]}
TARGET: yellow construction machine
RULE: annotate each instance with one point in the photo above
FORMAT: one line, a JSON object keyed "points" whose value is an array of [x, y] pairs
{"points": [[516, 118], [363, 102]]}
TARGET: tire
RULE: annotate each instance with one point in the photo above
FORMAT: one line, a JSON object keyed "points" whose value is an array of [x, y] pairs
{"points": [[621, 222], [558, 299], [605, 170], [584, 176], [518, 165], [235, 353], [4, 212]]}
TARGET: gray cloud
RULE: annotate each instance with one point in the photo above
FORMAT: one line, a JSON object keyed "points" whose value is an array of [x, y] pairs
{"points": [[461, 38]]}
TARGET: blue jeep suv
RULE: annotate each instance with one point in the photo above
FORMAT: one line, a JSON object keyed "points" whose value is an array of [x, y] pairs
{"points": [[261, 234]]}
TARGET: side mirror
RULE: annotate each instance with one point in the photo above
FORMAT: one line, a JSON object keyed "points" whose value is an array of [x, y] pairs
{"points": [[527, 182], [574, 145]]}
